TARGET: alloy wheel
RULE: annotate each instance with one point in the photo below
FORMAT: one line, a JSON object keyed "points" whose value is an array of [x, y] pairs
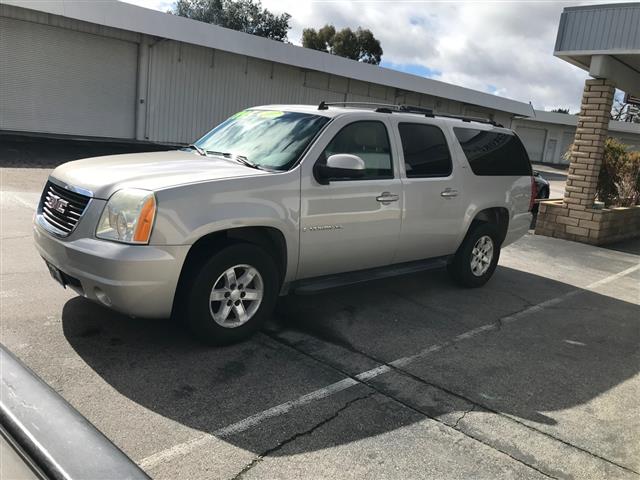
{"points": [[481, 255], [236, 296]]}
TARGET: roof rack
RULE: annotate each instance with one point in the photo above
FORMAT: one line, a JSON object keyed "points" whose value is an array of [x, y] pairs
{"points": [[380, 107], [465, 118], [391, 108], [325, 105]]}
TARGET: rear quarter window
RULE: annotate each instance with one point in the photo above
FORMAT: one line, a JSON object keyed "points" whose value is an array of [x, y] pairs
{"points": [[496, 153]]}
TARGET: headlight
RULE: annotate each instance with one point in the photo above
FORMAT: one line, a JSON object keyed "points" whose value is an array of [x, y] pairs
{"points": [[128, 216]]}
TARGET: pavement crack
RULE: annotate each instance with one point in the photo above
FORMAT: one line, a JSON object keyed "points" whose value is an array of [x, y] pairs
{"points": [[519, 297], [464, 414], [298, 435]]}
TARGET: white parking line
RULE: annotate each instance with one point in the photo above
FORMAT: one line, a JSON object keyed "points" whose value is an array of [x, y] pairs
{"points": [[254, 420]]}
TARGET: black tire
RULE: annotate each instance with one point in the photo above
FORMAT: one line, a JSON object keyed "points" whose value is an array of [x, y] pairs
{"points": [[196, 307], [460, 268]]}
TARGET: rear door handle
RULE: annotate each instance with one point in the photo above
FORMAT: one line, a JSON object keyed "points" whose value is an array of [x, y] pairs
{"points": [[387, 197], [448, 193]]}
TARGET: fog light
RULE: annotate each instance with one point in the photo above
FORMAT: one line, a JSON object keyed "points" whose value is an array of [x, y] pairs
{"points": [[103, 297]]}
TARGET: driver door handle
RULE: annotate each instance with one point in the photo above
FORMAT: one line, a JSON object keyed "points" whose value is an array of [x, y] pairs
{"points": [[448, 193], [387, 197]]}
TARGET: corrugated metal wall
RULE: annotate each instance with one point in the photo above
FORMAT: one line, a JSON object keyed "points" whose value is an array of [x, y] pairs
{"points": [[191, 89]]}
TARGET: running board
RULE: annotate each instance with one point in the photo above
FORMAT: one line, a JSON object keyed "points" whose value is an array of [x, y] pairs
{"points": [[327, 282]]}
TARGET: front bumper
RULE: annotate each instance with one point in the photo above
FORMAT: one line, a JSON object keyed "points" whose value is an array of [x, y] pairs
{"points": [[137, 280]]}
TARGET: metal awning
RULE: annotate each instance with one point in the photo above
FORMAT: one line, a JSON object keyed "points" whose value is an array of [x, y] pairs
{"points": [[603, 40]]}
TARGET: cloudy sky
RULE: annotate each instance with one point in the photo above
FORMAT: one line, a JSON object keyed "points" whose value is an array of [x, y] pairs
{"points": [[504, 48]]}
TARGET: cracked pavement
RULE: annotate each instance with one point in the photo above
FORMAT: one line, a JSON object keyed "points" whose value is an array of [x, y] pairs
{"points": [[536, 375]]}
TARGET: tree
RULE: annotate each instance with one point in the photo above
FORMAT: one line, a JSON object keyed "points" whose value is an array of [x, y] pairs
{"points": [[560, 110], [360, 45], [246, 16], [625, 112]]}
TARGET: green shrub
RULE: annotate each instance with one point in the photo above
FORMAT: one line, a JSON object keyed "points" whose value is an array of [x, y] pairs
{"points": [[619, 179]]}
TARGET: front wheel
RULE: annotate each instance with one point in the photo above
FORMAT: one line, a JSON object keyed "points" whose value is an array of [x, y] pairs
{"points": [[477, 258], [231, 295]]}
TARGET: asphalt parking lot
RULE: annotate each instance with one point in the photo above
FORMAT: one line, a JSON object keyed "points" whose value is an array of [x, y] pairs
{"points": [[536, 375]]}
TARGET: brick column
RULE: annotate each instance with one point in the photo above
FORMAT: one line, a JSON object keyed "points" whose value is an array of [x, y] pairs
{"points": [[588, 145], [574, 218]]}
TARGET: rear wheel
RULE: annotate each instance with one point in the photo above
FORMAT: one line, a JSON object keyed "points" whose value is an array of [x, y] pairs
{"points": [[477, 258], [231, 295]]}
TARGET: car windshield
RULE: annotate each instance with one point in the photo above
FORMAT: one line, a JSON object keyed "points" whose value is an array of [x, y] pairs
{"points": [[266, 138]]}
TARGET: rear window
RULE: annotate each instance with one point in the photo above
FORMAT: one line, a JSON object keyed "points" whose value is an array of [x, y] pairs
{"points": [[493, 152], [425, 150]]}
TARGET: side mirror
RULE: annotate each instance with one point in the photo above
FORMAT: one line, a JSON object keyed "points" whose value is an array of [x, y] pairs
{"points": [[340, 166]]}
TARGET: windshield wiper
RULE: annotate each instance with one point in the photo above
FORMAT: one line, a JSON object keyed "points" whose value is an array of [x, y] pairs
{"points": [[198, 149], [238, 158]]}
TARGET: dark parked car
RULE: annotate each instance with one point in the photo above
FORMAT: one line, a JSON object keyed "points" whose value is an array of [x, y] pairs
{"points": [[542, 188]]}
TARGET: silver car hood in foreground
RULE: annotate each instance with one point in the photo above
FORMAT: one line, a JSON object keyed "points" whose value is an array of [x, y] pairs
{"points": [[151, 171]]}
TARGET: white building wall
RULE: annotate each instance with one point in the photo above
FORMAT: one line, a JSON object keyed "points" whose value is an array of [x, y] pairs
{"points": [[66, 76], [558, 139]]}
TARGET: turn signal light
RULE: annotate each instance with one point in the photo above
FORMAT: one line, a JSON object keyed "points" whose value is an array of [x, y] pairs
{"points": [[145, 221]]}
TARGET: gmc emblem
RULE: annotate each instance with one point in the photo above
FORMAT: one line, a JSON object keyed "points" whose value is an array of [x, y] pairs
{"points": [[54, 202]]}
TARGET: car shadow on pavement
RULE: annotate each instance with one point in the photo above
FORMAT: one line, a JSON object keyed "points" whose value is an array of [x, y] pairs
{"points": [[554, 359]]}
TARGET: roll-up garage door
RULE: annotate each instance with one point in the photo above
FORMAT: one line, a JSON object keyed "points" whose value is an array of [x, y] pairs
{"points": [[533, 139], [54, 80]]}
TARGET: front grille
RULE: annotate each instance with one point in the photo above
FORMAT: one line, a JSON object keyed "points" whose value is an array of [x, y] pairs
{"points": [[62, 208]]}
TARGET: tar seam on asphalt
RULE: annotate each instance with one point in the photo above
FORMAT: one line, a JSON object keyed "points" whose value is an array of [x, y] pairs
{"points": [[294, 437], [185, 447]]}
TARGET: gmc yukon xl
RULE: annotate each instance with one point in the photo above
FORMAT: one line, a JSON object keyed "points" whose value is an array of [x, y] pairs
{"points": [[284, 198]]}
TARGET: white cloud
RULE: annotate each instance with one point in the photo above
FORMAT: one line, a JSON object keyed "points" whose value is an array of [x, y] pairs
{"points": [[505, 48], [162, 5]]}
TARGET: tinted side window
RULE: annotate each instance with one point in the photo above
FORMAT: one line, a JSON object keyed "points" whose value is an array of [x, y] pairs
{"points": [[493, 152], [370, 141], [425, 150]]}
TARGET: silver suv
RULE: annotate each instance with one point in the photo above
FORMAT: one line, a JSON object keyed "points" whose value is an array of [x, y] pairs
{"points": [[284, 198]]}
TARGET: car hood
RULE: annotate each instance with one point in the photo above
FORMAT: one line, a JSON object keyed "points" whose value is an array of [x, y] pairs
{"points": [[151, 171]]}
